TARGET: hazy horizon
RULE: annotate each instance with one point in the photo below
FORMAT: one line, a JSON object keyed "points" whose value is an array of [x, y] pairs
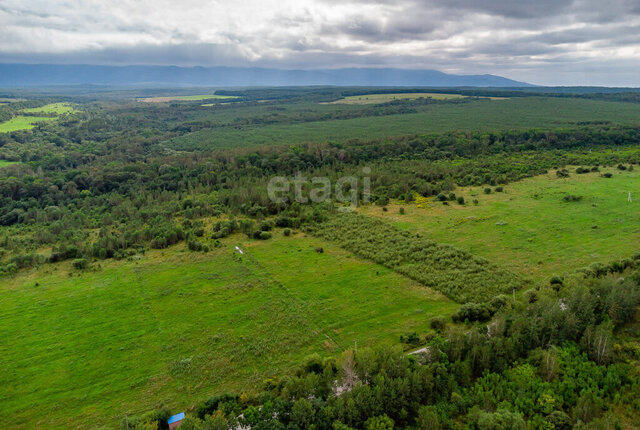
{"points": [[570, 43]]}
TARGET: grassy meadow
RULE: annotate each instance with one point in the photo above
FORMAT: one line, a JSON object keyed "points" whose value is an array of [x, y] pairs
{"points": [[53, 108], [21, 122], [515, 113], [191, 98], [384, 98], [175, 327], [528, 228], [5, 163]]}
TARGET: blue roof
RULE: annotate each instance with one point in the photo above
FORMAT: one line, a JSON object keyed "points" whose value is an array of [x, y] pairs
{"points": [[175, 418]]}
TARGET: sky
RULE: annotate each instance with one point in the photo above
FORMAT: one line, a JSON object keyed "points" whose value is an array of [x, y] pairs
{"points": [[546, 42]]}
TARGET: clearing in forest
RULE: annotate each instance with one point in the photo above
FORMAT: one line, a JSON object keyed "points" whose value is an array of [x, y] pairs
{"points": [[175, 327], [197, 97], [535, 227]]}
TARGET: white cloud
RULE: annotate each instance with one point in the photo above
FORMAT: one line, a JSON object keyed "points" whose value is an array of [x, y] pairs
{"points": [[547, 41]]}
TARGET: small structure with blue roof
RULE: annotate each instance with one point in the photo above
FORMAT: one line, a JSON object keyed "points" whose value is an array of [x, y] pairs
{"points": [[175, 421]]}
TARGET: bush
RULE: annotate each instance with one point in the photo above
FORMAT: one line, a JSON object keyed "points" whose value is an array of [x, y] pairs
{"points": [[442, 197], [562, 173], [556, 280], [438, 323], [498, 303], [194, 245], [287, 232], [319, 250], [401, 211], [80, 263], [473, 312], [452, 196], [571, 198], [622, 167], [266, 225], [487, 190], [460, 200], [499, 189], [264, 235]]}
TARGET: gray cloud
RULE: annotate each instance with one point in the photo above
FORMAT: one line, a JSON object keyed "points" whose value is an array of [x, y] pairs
{"points": [[570, 42]]}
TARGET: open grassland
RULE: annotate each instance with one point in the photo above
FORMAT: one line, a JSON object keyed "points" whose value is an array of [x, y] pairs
{"points": [[5, 163], [56, 108], [515, 113], [529, 228], [174, 327], [197, 97], [384, 98], [22, 123]]}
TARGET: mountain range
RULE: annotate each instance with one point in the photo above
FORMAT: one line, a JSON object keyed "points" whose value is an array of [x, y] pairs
{"points": [[24, 75]]}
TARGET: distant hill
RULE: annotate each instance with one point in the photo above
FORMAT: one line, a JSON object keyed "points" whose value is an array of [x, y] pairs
{"points": [[20, 75]]}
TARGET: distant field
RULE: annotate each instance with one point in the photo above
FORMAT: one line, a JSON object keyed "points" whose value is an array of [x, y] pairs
{"points": [[515, 113], [529, 229], [57, 108], [186, 98], [384, 98], [22, 123], [177, 327]]}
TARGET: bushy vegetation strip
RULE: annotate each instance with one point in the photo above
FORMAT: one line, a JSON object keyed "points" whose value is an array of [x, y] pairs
{"points": [[455, 273]]}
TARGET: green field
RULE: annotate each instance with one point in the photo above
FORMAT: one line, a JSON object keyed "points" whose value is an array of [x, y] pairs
{"points": [[384, 98], [176, 327], [5, 163], [196, 97], [57, 108], [22, 123], [529, 229], [515, 113]]}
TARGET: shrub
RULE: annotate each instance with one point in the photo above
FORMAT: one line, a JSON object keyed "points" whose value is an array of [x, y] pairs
{"points": [[438, 323], [452, 196], [556, 280], [442, 197], [562, 173], [319, 250], [385, 209], [287, 232], [473, 312], [571, 198], [264, 235], [460, 200], [410, 339], [194, 245], [622, 167], [499, 189], [475, 202], [80, 263], [498, 303], [581, 170], [401, 211], [487, 190], [266, 225]]}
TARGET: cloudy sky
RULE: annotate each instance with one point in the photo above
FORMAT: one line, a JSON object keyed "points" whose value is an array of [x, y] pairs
{"points": [[549, 42]]}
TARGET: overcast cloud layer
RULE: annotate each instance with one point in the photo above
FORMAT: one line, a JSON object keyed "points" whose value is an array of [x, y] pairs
{"points": [[549, 42]]}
